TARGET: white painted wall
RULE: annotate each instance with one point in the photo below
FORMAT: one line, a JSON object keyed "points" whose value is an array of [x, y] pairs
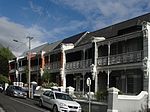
{"points": [[127, 103], [137, 103]]}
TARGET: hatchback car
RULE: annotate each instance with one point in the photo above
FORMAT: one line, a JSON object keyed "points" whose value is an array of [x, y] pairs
{"points": [[59, 102], [16, 91]]}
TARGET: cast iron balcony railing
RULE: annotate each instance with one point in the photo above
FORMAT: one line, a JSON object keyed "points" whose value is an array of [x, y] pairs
{"points": [[130, 57], [22, 68], [12, 70], [78, 64], [55, 65], [35, 68]]}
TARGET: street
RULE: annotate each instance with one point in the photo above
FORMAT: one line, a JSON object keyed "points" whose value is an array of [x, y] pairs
{"points": [[11, 104]]}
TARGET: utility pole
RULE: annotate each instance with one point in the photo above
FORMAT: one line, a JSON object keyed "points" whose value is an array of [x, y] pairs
{"points": [[29, 64]]}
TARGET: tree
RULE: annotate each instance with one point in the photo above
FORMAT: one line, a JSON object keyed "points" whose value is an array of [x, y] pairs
{"points": [[5, 56], [47, 77], [3, 79]]}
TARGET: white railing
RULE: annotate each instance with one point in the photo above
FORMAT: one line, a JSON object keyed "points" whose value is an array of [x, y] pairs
{"points": [[129, 57], [79, 64]]}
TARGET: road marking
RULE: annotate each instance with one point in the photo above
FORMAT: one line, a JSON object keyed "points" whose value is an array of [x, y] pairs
{"points": [[28, 105]]}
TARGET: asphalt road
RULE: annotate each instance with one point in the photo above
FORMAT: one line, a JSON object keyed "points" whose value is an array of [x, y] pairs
{"points": [[11, 104]]}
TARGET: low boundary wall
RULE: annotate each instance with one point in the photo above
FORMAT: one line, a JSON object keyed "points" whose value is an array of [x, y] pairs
{"points": [[127, 103]]}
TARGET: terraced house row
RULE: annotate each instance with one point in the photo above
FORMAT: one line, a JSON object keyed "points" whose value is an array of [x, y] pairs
{"points": [[115, 56]]}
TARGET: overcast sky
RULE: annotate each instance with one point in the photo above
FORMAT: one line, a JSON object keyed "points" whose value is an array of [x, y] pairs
{"points": [[52, 20]]}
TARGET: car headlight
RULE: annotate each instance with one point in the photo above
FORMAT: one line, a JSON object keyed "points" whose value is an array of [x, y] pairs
{"points": [[63, 105]]}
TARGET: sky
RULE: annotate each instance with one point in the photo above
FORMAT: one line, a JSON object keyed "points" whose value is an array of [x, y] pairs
{"points": [[52, 20]]}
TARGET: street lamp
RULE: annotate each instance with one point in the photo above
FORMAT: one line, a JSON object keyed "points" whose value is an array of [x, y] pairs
{"points": [[29, 62]]}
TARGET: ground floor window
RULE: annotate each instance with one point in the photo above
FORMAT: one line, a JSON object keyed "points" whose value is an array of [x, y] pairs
{"points": [[128, 81]]}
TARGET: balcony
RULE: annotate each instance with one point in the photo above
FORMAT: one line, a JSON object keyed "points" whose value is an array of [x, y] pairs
{"points": [[79, 64], [55, 65], [35, 68], [130, 57], [12, 70], [23, 68]]}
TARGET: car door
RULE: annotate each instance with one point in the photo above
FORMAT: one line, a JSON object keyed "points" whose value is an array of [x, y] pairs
{"points": [[51, 99], [45, 98]]}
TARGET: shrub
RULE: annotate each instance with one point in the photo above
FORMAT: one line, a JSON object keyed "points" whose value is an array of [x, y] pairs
{"points": [[101, 95], [3, 79], [49, 85]]}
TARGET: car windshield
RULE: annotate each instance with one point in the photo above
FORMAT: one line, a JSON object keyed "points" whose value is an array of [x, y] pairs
{"points": [[63, 96], [17, 88]]}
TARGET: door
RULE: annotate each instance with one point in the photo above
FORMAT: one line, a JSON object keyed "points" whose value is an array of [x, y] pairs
{"points": [[45, 98], [51, 100]]}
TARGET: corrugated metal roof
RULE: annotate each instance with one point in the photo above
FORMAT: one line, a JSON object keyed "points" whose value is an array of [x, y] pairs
{"points": [[73, 39], [112, 30]]}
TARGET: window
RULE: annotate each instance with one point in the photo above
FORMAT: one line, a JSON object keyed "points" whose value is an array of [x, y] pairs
{"points": [[51, 95], [46, 93], [63, 96]]}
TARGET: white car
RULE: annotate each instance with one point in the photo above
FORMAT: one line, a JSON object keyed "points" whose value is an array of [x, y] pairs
{"points": [[59, 102]]}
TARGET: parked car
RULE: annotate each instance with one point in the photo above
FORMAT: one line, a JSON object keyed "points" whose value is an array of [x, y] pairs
{"points": [[15, 91], [1, 88], [59, 102]]}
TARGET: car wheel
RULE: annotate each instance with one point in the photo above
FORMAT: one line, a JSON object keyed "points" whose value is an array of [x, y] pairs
{"points": [[55, 109], [40, 103]]}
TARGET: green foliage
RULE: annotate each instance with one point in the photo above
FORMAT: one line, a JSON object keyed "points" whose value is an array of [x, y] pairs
{"points": [[3, 79], [47, 77], [49, 85], [6, 53], [5, 56], [101, 95]]}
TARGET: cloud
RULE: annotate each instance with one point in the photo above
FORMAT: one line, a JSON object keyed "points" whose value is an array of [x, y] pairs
{"points": [[36, 8], [10, 30], [100, 13], [58, 33]]}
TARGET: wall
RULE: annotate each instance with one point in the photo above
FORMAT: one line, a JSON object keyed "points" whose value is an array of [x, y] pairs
{"points": [[127, 103], [95, 106]]}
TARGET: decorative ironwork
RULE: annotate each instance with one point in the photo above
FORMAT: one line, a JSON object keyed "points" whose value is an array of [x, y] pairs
{"points": [[130, 57], [79, 64]]}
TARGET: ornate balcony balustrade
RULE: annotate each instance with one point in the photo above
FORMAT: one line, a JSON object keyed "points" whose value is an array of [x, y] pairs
{"points": [[130, 57], [22, 68], [55, 65], [79, 64], [12, 70], [35, 68]]}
